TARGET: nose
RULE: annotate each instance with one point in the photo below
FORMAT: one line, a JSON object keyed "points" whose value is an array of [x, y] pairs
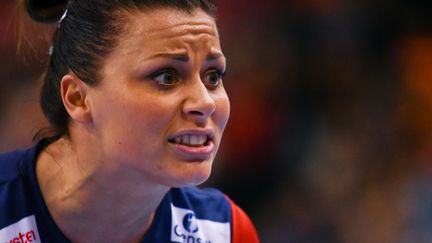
{"points": [[199, 104]]}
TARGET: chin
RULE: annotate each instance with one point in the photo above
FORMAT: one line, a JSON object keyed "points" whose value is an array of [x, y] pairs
{"points": [[192, 176]]}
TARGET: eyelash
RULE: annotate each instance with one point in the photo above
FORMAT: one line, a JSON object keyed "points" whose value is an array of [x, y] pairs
{"points": [[171, 71], [219, 75], [174, 75]]}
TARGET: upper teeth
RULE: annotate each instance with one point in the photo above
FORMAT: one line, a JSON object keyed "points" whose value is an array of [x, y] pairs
{"points": [[191, 139]]}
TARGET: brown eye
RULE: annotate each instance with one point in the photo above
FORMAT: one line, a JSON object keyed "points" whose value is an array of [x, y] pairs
{"points": [[166, 77], [213, 78]]}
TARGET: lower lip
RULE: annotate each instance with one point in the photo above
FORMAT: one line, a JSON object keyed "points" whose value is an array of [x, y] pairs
{"points": [[190, 153]]}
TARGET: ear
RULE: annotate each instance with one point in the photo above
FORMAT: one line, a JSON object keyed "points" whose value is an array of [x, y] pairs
{"points": [[74, 95]]}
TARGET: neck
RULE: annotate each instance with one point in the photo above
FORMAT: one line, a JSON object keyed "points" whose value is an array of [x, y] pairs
{"points": [[91, 203]]}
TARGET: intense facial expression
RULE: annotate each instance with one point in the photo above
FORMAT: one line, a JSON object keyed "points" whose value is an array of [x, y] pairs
{"points": [[160, 108]]}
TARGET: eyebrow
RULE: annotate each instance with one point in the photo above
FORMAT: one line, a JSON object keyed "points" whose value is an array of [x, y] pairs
{"points": [[183, 57]]}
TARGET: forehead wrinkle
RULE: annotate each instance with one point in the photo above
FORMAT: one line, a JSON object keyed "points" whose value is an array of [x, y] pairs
{"points": [[180, 47], [187, 25], [164, 20], [181, 30], [169, 23], [186, 45], [192, 33], [145, 30]]}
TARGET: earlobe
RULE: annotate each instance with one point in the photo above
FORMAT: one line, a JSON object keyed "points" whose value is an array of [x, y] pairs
{"points": [[74, 95]]}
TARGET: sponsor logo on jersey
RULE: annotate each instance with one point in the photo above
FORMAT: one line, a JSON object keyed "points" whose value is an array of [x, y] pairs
{"points": [[23, 231], [189, 223], [186, 228]]}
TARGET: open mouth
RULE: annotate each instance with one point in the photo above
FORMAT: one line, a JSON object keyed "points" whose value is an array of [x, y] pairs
{"points": [[191, 140]]}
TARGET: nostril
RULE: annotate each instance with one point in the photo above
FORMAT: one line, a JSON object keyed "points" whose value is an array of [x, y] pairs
{"points": [[198, 113]]}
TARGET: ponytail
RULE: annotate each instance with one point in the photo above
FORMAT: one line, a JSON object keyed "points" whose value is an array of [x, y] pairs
{"points": [[45, 11]]}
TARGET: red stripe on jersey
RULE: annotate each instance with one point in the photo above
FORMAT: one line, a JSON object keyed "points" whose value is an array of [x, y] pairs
{"points": [[243, 229]]}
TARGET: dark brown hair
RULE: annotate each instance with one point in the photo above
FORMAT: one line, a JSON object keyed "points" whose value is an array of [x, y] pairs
{"points": [[86, 34]]}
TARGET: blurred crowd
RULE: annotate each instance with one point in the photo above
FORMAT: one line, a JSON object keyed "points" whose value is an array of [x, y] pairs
{"points": [[330, 135]]}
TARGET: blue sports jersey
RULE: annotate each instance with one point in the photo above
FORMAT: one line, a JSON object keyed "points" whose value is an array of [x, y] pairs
{"points": [[184, 215]]}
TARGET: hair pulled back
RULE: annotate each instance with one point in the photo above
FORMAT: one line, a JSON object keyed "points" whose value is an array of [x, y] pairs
{"points": [[84, 36]]}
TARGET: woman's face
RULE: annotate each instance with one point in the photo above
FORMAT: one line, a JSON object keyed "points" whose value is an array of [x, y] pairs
{"points": [[160, 108]]}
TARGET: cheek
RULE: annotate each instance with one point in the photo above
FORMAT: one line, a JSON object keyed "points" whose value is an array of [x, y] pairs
{"points": [[222, 112], [145, 119], [126, 120]]}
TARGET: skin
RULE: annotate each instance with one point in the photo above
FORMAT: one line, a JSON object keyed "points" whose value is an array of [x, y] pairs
{"points": [[107, 178]]}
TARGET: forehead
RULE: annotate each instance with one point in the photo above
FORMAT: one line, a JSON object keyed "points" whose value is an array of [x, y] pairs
{"points": [[165, 19], [165, 24]]}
